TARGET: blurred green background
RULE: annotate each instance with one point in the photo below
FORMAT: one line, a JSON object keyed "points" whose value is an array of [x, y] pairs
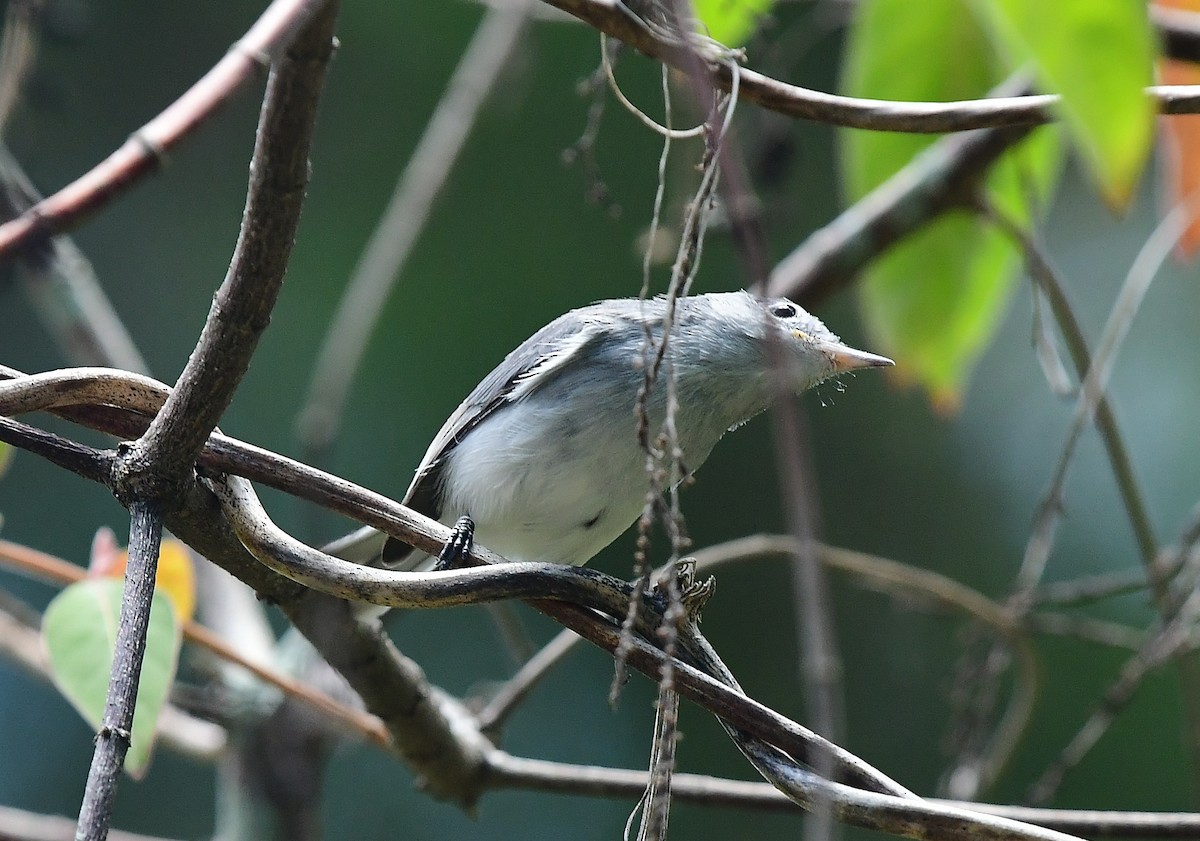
{"points": [[512, 243]]}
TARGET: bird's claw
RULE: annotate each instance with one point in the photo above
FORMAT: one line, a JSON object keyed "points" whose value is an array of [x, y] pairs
{"points": [[458, 547], [693, 592]]}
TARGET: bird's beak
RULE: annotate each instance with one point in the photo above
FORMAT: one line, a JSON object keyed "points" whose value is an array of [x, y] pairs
{"points": [[845, 358]]}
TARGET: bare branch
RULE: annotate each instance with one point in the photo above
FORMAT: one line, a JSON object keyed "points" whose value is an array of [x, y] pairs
{"points": [[163, 457], [17, 51], [507, 771], [1095, 382], [383, 260], [63, 287], [932, 183], [1172, 639], [517, 688], [616, 19], [143, 152], [1180, 31], [20, 825], [1043, 273], [113, 738]]}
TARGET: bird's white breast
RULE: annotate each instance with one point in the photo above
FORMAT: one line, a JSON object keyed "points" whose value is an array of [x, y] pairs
{"points": [[561, 496]]}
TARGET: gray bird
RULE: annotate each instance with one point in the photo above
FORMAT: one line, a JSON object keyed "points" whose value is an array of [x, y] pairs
{"points": [[542, 458]]}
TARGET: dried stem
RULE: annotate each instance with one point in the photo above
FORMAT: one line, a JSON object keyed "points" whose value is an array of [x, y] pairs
{"points": [[163, 457], [143, 152], [383, 260], [112, 740], [616, 20]]}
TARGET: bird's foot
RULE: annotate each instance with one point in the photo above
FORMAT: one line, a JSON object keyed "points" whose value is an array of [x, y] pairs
{"points": [[462, 537], [693, 592]]}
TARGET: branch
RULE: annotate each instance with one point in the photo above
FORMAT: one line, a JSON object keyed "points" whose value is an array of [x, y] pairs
{"points": [[144, 151], [61, 573], [1043, 273], [616, 19], [935, 181], [507, 771], [199, 524], [112, 741], [63, 287], [517, 688], [18, 48], [1174, 637], [20, 825], [241, 310], [383, 260], [1179, 30], [150, 475]]}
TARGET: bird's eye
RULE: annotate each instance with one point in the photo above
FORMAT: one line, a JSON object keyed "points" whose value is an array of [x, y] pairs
{"points": [[783, 310]]}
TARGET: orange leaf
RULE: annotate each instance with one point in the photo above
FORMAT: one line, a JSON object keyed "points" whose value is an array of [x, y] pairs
{"points": [[1181, 138], [175, 575]]}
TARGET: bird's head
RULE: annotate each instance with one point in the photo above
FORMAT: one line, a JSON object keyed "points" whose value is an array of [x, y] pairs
{"points": [[813, 352]]}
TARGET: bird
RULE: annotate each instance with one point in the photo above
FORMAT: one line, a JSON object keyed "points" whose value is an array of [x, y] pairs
{"points": [[542, 460]]}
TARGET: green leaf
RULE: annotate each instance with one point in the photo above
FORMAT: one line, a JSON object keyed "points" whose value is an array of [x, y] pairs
{"points": [[1099, 56], [6, 454], [80, 632], [731, 22], [934, 50], [934, 300]]}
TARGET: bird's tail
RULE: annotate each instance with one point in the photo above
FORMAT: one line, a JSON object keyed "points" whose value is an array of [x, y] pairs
{"points": [[371, 547]]}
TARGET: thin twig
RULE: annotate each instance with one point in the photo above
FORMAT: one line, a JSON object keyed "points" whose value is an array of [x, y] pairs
{"points": [[1173, 638], [17, 51], [63, 287], [162, 458], [1156, 249], [507, 771], [113, 738], [20, 825], [1091, 588], [1087, 629], [615, 19], [1043, 273], [932, 183], [144, 151], [517, 688], [382, 262], [1131, 496], [820, 662]]}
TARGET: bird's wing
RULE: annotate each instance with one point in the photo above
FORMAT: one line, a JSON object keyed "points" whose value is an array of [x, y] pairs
{"points": [[534, 363], [530, 366]]}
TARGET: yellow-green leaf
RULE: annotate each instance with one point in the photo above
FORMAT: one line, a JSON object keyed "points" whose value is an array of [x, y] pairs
{"points": [[80, 632], [5, 457], [933, 301], [731, 22], [173, 575], [931, 51], [1099, 56]]}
